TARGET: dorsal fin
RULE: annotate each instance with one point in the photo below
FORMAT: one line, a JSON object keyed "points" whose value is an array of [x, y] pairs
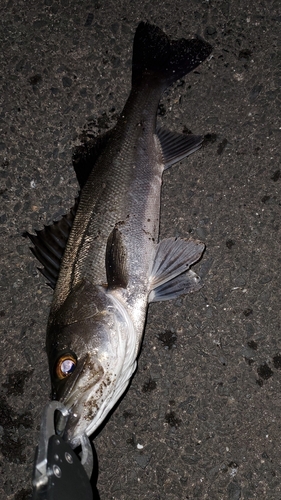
{"points": [[85, 156], [175, 146], [50, 242]]}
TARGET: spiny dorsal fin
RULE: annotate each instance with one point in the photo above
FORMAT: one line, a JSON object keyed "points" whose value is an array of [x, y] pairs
{"points": [[115, 261], [50, 242]]}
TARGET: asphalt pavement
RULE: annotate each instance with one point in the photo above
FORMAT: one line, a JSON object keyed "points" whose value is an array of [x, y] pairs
{"points": [[202, 417]]}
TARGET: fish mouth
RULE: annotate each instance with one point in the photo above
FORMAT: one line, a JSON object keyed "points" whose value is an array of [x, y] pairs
{"points": [[88, 413], [101, 375], [74, 395], [84, 417], [66, 427], [83, 395]]}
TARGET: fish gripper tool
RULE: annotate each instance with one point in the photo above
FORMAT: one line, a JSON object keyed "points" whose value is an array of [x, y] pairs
{"points": [[58, 472]]}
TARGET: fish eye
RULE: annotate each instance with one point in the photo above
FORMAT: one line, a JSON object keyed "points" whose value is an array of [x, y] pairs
{"points": [[65, 366]]}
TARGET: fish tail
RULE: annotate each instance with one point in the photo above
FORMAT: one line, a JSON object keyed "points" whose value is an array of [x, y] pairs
{"points": [[158, 59]]}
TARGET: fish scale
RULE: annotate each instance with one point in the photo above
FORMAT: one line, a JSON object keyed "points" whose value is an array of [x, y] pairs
{"points": [[111, 265], [128, 174]]}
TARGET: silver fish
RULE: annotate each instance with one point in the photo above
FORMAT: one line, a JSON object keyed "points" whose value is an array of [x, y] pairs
{"points": [[113, 266]]}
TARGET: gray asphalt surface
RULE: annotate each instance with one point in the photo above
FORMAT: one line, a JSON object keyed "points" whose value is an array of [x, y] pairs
{"points": [[202, 418]]}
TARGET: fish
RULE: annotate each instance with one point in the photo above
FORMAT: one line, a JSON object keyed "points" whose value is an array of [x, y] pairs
{"points": [[103, 259]]}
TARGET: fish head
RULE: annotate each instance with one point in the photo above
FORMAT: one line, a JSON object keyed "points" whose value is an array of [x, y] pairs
{"points": [[91, 352]]}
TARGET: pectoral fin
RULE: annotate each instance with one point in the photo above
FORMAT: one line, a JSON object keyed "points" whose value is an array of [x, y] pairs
{"points": [[169, 277], [115, 261], [176, 146]]}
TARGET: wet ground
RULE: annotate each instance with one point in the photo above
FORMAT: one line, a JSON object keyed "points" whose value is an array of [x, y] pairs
{"points": [[202, 418]]}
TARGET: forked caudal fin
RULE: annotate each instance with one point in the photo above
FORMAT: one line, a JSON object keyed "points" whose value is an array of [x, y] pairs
{"points": [[159, 59]]}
